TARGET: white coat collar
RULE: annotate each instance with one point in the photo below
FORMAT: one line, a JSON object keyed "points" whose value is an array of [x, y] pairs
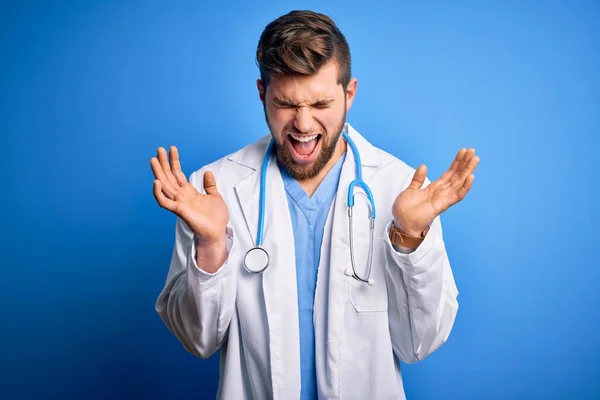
{"points": [[252, 155]]}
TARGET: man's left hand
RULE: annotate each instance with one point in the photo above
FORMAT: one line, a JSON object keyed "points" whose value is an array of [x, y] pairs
{"points": [[415, 209]]}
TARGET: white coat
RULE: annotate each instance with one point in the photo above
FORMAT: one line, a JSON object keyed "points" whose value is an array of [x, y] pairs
{"points": [[361, 331]]}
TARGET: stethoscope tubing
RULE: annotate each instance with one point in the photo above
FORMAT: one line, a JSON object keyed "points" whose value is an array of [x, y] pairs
{"points": [[358, 181]]}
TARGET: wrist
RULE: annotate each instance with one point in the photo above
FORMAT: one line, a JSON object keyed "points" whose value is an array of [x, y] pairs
{"points": [[413, 232], [402, 239], [202, 243], [210, 255]]}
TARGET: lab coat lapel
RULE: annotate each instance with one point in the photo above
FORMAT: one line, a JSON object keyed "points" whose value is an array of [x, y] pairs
{"points": [[338, 256], [333, 299], [279, 279], [332, 289]]}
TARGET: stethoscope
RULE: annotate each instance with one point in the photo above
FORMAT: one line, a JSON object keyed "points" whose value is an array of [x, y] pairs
{"points": [[256, 259]]}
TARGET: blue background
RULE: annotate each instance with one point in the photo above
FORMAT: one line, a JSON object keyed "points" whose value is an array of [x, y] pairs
{"points": [[89, 90]]}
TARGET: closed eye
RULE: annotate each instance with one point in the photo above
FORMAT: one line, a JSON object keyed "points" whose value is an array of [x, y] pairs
{"points": [[322, 104], [286, 104]]}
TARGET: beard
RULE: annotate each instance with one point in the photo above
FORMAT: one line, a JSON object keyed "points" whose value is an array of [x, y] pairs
{"points": [[302, 172]]}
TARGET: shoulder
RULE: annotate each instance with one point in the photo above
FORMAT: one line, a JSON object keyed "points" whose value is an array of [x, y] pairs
{"points": [[233, 167], [388, 166], [394, 169], [385, 163], [392, 162]]}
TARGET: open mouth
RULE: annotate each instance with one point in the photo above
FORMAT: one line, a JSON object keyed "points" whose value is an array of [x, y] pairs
{"points": [[304, 148]]}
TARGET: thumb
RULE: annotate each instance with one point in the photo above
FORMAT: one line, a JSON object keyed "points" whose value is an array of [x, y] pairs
{"points": [[210, 184], [419, 177]]}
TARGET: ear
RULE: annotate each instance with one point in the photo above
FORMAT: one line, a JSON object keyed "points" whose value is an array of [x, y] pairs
{"points": [[351, 92], [261, 90]]}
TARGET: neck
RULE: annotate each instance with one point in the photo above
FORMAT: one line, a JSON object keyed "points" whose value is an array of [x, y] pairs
{"points": [[310, 185]]}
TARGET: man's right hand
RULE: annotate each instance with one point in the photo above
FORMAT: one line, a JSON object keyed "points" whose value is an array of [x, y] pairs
{"points": [[205, 214]]}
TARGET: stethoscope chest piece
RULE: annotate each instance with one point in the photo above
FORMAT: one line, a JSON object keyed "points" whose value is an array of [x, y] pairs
{"points": [[256, 260]]}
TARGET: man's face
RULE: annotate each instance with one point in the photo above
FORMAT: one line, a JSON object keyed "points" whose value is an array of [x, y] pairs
{"points": [[306, 116]]}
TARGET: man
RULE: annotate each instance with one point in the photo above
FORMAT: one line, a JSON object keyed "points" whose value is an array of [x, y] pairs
{"points": [[336, 308]]}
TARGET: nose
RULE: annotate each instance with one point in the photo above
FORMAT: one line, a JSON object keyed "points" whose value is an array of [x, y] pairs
{"points": [[302, 120]]}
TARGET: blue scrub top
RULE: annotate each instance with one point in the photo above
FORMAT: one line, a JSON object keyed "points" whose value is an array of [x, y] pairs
{"points": [[309, 215]]}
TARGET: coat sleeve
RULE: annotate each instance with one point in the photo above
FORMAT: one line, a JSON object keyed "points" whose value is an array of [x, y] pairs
{"points": [[422, 296], [197, 306]]}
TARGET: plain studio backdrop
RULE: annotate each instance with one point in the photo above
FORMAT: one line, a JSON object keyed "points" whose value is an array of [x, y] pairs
{"points": [[89, 90]]}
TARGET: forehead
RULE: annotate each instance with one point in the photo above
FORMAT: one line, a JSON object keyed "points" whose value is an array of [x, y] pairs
{"points": [[323, 84]]}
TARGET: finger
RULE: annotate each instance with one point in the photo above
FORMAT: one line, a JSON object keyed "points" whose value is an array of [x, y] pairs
{"points": [[164, 163], [467, 170], [159, 174], [162, 200], [464, 189], [419, 177], [458, 177], [454, 165], [176, 166], [458, 159], [464, 161], [210, 184]]}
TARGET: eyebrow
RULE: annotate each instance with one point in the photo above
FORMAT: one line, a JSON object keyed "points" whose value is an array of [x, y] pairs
{"points": [[281, 102]]}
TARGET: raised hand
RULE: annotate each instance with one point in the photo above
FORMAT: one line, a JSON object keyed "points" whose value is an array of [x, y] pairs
{"points": [[205, 214], [415, 209]]}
